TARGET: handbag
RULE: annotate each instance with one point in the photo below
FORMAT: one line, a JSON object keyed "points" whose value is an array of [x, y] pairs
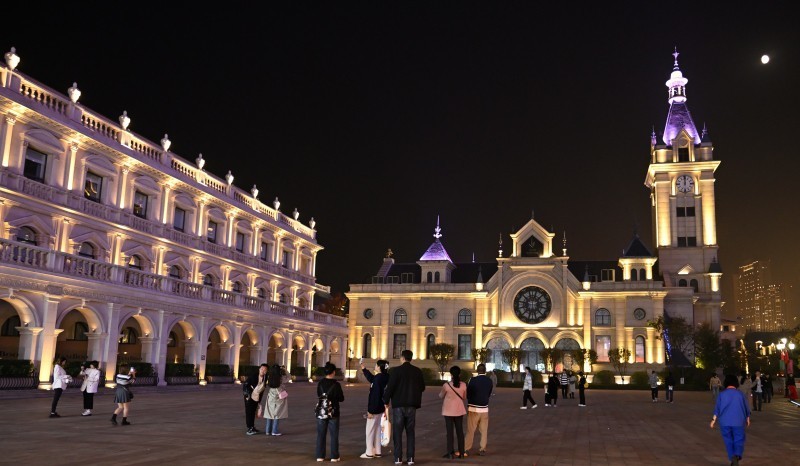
{"points": [[386, 429], [84, 384], [283, 394]]}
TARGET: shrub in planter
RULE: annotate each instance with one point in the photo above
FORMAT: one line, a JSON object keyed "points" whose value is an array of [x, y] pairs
{"points": [[220, 370], [179, 370], [603, 378], [16, 367], [246, 370], [430, 376], [536, 377], [143, 369], [640, 378], [298, 370]]}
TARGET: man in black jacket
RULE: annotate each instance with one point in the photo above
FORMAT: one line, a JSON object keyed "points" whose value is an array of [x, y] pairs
{"points": [[479, 390], [404, 391], [251, 405]]}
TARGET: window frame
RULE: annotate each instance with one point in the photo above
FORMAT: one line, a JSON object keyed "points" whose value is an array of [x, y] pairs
{"points": [[605, 314], [366, 346], [464, 317], [175, 226], [98, 195], [460, 339], [25, 240], [143, 212], [636, 341], [209, 237], [400, 317], [263, 253], [601, 349], [239, 241], [397, 351], [42, 165]]}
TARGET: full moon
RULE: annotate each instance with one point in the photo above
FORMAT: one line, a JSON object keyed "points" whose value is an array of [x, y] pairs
{"points": [[765, 59]]}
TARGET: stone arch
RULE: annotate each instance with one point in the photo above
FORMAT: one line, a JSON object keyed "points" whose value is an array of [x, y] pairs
{"points": [[93, 316], [15, 313], [222, 328], [498, 333], [276, 343], [131, 247], [532, 334], [19, 217], [319, 350], [497, 344], [184, 199], [566, 334], [45, 141], [24, 308], [76, 322], [247, 355], [83, 234]]}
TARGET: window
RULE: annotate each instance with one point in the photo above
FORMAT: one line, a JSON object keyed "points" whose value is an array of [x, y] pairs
{"points": [[465, 347], [211, 234], [399, 345], [129, 336], [400, 317], [285, 259], [642, 274], [436, 277], [135, 262], [639, 349], [683, 154], [175, 272], [262, 293], [35, 165], [240, 241], [208, 280], [80, 331], [173, 340], [687, 241], [86, 250], [685, 211], [9, 328], [366, 349], [179, 220], [140, 204], [607, 275], [26, 235], [430, 341], [693, 283], [430, 277], [682, 282], [264, 254], [282, 298], [602, 344], [237, 287], [93, 187], [465, 317], [634, 275], [602, 317]]}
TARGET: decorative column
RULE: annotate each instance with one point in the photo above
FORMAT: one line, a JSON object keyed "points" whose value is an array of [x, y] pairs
{"points": [[229, 231], [160, 251], [225, 353], [28, 337], [287, 358], [165, 213], [256, 242], [293, 300], [111, 346], [47, 340], [226, 275], [278, 248], [200, 227], [237, 350], [69, 167], [123, 185], [148, 348], [307, 357], [96, 343], [297, 247], [255, 355], [190, 351], [314, 264], [251, 284], [310, 295], [5, 139], [274, 291]]}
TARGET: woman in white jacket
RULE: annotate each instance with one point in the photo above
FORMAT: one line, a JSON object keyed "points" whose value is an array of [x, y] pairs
{"points": [[60, 381], [527, 386], [91, 379]]}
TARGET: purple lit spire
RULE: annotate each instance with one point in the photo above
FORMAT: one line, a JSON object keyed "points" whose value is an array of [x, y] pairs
{"points": [[679, 117], [436, 251]]}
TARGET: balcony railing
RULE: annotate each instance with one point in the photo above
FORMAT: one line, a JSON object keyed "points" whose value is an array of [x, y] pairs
{"points": [[35, 257]]}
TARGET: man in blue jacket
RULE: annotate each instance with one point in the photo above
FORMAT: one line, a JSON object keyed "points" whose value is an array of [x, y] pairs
{"points": [[404, 390], [479, 390]]}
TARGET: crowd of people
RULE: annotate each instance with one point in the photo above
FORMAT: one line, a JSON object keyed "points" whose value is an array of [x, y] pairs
{"points": [[90, 375]]}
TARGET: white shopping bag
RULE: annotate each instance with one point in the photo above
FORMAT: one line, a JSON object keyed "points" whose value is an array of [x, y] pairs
{"points": [[386, 429]]}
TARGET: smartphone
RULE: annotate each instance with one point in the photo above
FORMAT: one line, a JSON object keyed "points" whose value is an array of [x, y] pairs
{"points": [[361, 361]]}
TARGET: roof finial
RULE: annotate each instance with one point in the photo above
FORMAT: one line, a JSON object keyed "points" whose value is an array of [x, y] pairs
{"points": [[653, 139], [531, 214], [389, 253], [473, 257], [480, 275], [564, 241], [500, 247], [675, 54], [437, 231]]}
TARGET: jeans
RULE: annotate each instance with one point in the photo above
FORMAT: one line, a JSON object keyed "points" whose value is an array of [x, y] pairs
{"points": [[564, 391], [715, 392], [669, 394], [250, 408], [328, 425], [56, 395], [733, 436], [449, 423], [654, 393], [757, 400], [404, 418], [526, 395], [272, 427], [88, 400]]}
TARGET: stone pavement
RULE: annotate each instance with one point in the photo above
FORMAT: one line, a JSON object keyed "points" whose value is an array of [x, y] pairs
{"points": [[205, 426]]}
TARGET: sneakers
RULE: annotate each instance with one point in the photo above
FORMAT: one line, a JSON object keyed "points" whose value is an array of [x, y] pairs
{"points": [[366, 456], [320, 460], [251, 431], [523, 407], [398, 461], [534, 406], [277, 434], [125, 423], [335, 460], [482, 453], [546, 405], [54, 415], [410, 461], [583, 406]]}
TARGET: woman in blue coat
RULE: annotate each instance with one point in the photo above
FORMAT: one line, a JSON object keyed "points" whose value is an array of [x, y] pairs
{"points": [[732, 413]]}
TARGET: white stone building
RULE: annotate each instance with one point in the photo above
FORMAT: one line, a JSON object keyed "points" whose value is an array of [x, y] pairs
{"points": [[114, 248], [535, 297]]}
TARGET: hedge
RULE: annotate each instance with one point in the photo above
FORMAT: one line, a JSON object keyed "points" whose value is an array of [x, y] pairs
{"points": [[298, 370], [640, 378], [604, 378], [175, 370], [16, 367], [247, 370], [218, 370], [143, 369]]}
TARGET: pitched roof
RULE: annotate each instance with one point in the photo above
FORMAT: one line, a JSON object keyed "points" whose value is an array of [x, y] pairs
{"points": [[679, 119], [436, 252], [636, 249]]}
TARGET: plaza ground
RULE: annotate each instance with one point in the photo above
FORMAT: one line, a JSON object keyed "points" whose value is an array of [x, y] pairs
{"points": [[205, 426]]}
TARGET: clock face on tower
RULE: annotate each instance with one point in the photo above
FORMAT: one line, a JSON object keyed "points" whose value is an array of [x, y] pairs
{"points": [[685, 184], [532, 305]]}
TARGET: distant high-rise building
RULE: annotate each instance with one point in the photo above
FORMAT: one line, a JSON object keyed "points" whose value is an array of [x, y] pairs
{"points": [[761, 304]]}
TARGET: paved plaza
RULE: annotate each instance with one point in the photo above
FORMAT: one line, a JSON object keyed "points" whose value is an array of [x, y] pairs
{"points": [[205, 426]]}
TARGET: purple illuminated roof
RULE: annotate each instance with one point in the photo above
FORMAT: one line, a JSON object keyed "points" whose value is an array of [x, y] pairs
{"points": [[679, 119], [436, 252]]}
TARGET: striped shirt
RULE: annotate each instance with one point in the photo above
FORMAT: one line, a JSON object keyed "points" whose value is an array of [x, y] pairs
{"points": [[124, 379]]}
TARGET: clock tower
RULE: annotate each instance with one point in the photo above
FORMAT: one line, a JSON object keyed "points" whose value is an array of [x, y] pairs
{"points": [[681, 182]]}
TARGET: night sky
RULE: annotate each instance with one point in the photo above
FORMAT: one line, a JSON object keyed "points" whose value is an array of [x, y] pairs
{"points": [[376, 117]]}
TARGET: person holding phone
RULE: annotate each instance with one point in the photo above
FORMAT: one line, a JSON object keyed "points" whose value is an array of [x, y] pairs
{"points": [[122, 394], [375, 407], [91, 379]]}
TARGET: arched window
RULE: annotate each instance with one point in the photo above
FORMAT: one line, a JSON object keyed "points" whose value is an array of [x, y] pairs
{"points": [[80, 331], [430, 277], [530, 348], [9, 328], [639, 349], [436, 277], [465, 317], [430, 341], [642, 274], [568, 346], [602, 317], [693, 283], [175, 272], [86, 250], [135, 262], [173, 340], [282, 298], [208, 280], [682, 282], [26, 235], [262, 293], [400, 317], [634, 275], [496, 347], [366, 351], [237, 287], [129, 336], [303, 302]]}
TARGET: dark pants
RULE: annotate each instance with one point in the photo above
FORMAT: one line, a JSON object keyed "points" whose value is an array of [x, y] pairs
{"points": [[88, 400], [554, 398], [250, 408], [582, 396], [757, 400], [767, 395], [564, 391], [403, 419], [654, 393], [526, 395], [56, 395], [670, 391], [458, 423], [328, 425]]}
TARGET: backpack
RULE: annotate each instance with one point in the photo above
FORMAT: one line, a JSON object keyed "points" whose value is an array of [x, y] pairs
{"points": [[324, 408]]}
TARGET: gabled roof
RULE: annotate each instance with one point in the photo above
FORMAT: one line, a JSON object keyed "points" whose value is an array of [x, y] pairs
{"points": [[679, 119], [436, 252], [636, 249]]}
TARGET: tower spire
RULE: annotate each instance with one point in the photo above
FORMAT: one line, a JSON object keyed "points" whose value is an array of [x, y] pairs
{"points": [[437, 232], [564, 241], [679, 119], [500, 247]]}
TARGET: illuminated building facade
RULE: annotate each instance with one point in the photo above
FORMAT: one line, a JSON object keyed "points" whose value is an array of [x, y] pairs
{"points": [[761, 304], [113, 248], [536, 296]]}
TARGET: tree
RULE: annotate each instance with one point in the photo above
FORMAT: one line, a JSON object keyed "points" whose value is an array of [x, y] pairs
{"points": [[442, 353], [512, 357], [708, 347], [677, 336], [481, 355], [619, 358], [547, 356], [337, 304], [591, 355], [579, 357]]}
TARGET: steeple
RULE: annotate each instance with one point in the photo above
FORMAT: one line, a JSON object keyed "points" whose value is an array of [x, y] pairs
{"points": [[679, 117], [436, 251]]}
